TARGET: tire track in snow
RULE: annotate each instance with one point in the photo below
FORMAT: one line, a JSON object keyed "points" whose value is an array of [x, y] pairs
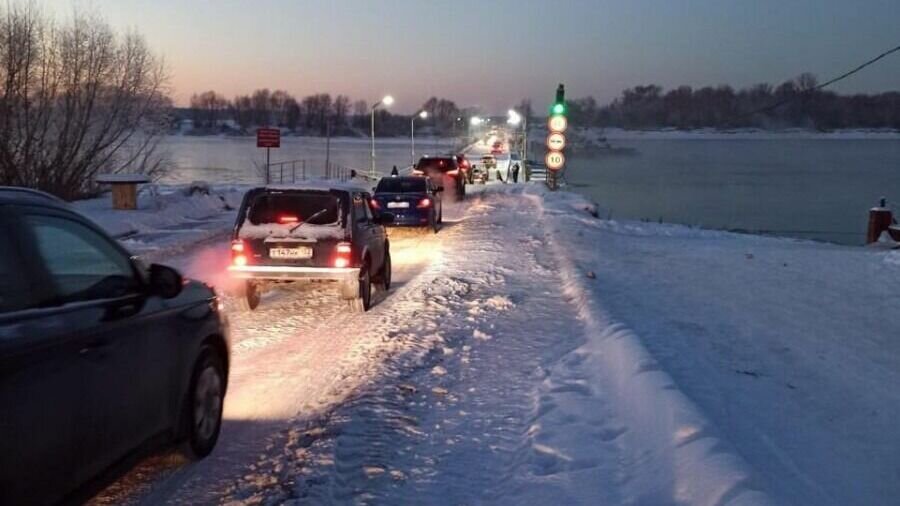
{"points": [[477, 412], [301, 352]]}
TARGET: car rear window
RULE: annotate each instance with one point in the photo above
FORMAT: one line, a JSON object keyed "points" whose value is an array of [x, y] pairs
{"points": [[401, 185], [315, 208], [441, 164]]}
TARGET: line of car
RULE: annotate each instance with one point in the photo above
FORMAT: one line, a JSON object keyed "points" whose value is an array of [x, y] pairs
{"points": [[335, 232], [103, 358]]}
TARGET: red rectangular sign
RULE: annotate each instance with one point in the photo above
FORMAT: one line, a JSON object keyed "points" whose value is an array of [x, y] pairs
{"points": [[268, 138]]}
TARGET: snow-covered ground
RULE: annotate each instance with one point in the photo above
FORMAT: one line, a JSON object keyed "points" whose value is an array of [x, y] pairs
{"points": [[532, 353], [169, 218], [789, 347]]}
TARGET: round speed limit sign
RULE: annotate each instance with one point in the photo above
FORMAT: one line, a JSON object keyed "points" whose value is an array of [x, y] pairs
{"points": [[558, 124], [556, 141], [555, 160]]}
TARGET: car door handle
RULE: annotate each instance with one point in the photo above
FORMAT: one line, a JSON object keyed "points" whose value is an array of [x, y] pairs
{"points": [[97, 345], [122, 310]]}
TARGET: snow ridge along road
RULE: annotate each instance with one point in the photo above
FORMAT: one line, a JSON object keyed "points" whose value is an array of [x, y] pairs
{"points": [[675, 453]]}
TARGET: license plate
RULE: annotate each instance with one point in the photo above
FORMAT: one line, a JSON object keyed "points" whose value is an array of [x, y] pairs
{"points": [[395, 205], [291, 253]]}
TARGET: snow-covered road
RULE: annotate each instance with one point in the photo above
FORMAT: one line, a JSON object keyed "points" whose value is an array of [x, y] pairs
{"points": [[294, 359], [473, 407], [533, 353], [481, 377]]}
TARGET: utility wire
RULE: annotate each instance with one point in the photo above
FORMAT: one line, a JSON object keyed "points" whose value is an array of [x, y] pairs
{"points": [[841, 77]]}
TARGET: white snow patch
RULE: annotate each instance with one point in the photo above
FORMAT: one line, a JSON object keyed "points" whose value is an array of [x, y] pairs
{"points": [[481, 336]]}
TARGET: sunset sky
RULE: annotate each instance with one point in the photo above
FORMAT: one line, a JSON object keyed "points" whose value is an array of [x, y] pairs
{"points": [[492, 53]]}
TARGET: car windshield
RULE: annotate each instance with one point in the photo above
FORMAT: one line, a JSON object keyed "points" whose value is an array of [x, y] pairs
{"points": [[401, 185], [314, 208]]}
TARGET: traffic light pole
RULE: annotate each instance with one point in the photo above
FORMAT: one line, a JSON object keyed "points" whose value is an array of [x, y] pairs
{"points": [[555, 159]]}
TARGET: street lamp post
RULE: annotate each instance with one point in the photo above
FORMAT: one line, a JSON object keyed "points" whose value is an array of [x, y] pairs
{"points": [[386, 101], [412, 132], [514, 119]]}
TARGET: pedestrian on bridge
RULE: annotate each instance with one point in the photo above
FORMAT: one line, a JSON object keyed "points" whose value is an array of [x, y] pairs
{"points": [[394, 172], [515, 173]]}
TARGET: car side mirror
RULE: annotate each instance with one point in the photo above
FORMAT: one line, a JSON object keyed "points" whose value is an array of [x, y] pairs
{"points": [[384, 218], [165, 281]]}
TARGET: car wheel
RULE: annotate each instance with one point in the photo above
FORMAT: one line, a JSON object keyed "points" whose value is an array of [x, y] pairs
{"points": [[204, 401], [363, 302], [386, 271], [251, 296]]}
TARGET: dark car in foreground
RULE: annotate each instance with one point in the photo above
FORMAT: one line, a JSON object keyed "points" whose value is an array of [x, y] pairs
{"points": [[100, 357], [413, 200], [315, 231], [444, 171]]}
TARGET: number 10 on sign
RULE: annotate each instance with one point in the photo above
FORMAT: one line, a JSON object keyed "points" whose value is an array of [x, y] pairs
{"points": [[555, 160]]}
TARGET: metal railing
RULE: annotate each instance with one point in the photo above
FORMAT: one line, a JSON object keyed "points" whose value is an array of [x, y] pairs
{"points": [[291, 171]]}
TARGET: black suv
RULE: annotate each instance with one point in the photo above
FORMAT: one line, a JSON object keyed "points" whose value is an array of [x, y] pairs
{"points": [[320, 231], [99, 356]]}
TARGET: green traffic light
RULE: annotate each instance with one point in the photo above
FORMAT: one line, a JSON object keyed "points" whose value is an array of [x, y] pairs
{"points": [[559, 109]]}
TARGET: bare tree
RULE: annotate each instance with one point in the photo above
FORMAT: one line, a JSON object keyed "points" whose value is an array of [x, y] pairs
{"points": [[292, 113], [242, 111], [262, 113], [208, 108], [339, 111], [76, 99], [360, 113]]}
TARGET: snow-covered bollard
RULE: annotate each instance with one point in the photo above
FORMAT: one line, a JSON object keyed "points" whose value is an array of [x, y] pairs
{"points": [[880, 220]]}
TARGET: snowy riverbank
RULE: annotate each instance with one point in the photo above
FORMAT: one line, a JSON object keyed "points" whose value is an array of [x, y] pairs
{"points": [[788, 347]]}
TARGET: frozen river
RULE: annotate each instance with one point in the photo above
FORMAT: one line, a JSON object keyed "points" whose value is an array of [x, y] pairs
{"points": [[238, 160], [814, 188]]}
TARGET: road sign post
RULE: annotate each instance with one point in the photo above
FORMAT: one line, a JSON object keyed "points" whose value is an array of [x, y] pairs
{"points": [[268, 138], [555, 159]]}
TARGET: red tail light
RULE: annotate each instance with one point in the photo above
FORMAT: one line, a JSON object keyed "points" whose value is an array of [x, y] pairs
{"points": [[374, 204], [342, 254], [238, 253], [453, 172], [288, 218], [424, 203]]}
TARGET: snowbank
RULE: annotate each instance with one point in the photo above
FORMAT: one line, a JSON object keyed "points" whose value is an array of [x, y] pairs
{"points": [[160, 206], [780, 351], [169, 217], [674, 451]]}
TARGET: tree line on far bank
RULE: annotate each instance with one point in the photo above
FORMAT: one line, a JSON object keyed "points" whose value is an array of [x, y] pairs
{"points": [[796, 103], [316, 114]]}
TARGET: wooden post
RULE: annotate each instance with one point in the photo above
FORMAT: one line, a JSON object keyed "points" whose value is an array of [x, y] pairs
{"points": [[124, 196], [124, 188]]}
